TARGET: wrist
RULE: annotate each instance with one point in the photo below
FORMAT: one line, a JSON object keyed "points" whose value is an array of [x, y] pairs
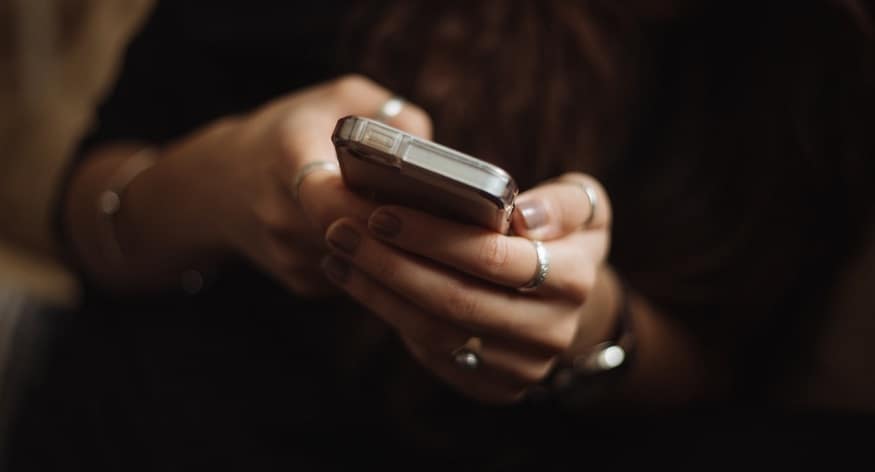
{"points": [[602, 352], [598, 315], [128, 228], [168, 221]]}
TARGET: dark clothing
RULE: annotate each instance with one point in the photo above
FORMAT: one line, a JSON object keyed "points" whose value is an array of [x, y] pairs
{"points": [[245, 376]]}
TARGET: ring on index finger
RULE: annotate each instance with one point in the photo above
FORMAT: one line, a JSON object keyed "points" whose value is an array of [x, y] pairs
{"points": [[308, 169]]}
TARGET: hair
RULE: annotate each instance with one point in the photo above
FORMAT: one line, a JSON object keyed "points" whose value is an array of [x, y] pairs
{"points": [[722, 131], [514, 82]]}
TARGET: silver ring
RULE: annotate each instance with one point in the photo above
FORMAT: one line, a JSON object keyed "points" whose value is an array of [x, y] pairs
{"points": [[467, 356], [593, 201], [308, 169], [390, 108], [591, 196], [541, 270]]}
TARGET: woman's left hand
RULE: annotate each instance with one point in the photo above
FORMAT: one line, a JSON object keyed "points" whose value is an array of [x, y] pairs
{"points": [[441, 284]]}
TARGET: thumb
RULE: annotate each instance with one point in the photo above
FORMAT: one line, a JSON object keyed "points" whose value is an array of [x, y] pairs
{"points": [[559, 207]]}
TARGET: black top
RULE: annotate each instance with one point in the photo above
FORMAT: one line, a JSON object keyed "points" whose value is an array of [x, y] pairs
{"points": [[245, 376]]}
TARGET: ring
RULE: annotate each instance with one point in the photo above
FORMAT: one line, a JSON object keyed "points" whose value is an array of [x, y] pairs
{"points": [[593, 200], [390, 108], [308, 169], [467, 356], [541, 270], [590, 195]]}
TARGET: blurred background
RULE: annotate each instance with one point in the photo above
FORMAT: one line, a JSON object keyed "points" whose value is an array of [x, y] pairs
{"points": [[60, 58], [57, 60]]}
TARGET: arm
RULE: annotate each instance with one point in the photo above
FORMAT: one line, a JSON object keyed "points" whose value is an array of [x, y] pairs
{"points": [[159, 229], [668, 367], [461, 286], [224, 191]]}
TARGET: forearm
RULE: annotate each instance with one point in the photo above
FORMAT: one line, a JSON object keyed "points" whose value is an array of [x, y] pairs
{"points": [[667, 366], [158, 226], [669, 363]]}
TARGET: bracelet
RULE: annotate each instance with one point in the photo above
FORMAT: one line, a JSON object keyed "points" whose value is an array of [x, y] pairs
{"points": [[591, 376], [109, 202]]}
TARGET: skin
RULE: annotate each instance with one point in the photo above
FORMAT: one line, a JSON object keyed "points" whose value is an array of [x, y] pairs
{"points": [[439, 282], [436, 282]]}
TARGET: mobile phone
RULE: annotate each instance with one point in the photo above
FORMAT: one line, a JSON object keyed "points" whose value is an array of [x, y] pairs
{"points": [[391, 166]]}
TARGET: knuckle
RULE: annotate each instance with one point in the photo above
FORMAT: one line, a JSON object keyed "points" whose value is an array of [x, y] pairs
{"points": [[418, 121], [289, 139], [386, 270], [559, 337], [579, 287], [460, 303], [276, 223], [577, 292], [578, 177], [312, 196], [351, 85], [534, 372], [494, 253]]}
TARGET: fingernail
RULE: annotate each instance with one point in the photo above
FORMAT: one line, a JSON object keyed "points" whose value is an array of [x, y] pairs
{"points": [[336, 269], [344, 239], [534, 213], [385, 224]]}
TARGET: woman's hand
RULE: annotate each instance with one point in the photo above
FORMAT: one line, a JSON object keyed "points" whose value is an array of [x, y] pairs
{"points": [[441, 283], [254, 163], [228, 188]]}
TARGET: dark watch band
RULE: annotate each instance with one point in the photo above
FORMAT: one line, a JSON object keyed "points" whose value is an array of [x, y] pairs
{"points": [[591, 376]]}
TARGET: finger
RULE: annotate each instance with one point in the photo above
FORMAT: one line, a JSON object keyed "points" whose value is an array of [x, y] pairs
{"points": [[322, 193], [454, 297], [510, 261], [560, 207], [406, 116], [324, 199], [478, 385], [358, 95], [395, 310], [504, 363], [508, 363]]}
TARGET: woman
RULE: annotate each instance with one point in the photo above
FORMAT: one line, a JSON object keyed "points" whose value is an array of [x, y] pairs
{"points": [[724, 166]]}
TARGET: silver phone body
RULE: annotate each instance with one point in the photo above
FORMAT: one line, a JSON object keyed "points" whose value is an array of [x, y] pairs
{"points": [[391, 166]]}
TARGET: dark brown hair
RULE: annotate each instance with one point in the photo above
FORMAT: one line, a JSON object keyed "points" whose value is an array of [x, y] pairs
{"points": [[725, 132], [519, 83]]}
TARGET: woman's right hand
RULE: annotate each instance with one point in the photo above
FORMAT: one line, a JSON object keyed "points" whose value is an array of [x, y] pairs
{"points": [[228, 187], [250, 164]]}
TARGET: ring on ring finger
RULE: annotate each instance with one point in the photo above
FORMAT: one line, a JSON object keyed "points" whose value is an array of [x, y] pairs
{"points": [[467, 356]]}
